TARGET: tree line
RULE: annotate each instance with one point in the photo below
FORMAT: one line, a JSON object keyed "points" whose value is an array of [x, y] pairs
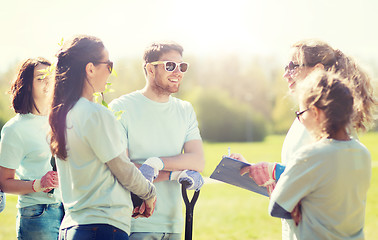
{"points": [[234, 99]]}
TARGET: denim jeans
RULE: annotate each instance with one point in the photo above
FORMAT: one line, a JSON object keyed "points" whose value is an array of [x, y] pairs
{"points": [[154, 236], [93, 232], [2, 201], [39, 222]]}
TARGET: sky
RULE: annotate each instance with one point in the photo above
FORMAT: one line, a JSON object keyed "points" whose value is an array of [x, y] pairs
{"points": [[203, 27]]}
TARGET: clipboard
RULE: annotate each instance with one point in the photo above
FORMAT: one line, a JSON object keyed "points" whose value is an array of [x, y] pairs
{"points": [[228, 171]]}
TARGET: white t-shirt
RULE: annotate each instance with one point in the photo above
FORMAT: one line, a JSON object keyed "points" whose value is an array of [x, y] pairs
{"points": [[297, 137], [331, 179], [24, 147], [91, 193], [158, 130]]}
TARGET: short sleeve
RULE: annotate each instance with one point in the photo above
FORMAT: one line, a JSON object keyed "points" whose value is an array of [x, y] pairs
{"points": [[294, 184], [11, 150], [104, 135], [193, 132], [116, 107]]}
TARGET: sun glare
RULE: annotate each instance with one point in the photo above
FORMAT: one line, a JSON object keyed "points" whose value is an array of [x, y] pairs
{"points": [[214, 25]]}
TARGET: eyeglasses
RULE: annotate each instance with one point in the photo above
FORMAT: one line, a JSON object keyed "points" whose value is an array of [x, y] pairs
{"points": [[291, 67], [109, 63], [171, 66], [300, 113]]}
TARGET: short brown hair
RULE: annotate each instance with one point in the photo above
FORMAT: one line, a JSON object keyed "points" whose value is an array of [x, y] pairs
{"points": [[156, 49]]}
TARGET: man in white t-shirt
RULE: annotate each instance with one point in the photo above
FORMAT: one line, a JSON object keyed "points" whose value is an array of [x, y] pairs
{"points": [[163, 130]]}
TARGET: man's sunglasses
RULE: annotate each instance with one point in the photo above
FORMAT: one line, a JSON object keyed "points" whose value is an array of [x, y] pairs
{"points": [[108, 63], [171, 66]]}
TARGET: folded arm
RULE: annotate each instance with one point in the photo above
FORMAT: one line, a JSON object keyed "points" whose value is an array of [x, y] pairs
{"points": [[296, 214], [192, 159], [277, 211]]}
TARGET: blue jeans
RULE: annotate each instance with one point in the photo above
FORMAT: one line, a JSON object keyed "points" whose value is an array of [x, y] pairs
{"points": [[93, 232], [2, 201], [39, 222], [154, 236]]}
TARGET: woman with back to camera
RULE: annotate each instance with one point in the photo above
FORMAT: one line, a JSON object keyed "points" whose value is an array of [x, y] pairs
{"points": [[330, 177], [95, 174], [307, 56], [25, 152]]}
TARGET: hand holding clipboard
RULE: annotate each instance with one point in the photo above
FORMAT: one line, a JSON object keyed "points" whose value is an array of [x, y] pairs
{"points": [[228, 171]]}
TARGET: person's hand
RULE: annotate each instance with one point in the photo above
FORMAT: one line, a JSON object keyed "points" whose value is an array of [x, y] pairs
{"points": [[193, 178], [151, 167], [47, 182], [146, 209], [237, 156], [296, 214], [262, 173]]}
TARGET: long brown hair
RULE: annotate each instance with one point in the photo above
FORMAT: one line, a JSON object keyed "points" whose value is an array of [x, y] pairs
{"points": [[68, 87], [311, 52], [22, 88]]}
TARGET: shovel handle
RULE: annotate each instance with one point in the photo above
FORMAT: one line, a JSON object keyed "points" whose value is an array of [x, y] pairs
{"points": [[189, 210]]}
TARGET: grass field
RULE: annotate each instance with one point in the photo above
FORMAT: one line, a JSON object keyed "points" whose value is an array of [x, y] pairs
{"points": [[227, 212]]}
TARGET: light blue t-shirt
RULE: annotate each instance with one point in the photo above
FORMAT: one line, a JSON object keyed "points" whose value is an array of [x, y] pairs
{"points": [[24, 146], [156, 129], [91, 194], [297, 137], [331, 179]]}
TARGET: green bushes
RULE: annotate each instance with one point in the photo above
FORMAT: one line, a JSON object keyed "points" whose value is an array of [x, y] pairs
{"points": [[6, 112], [223, 119]]}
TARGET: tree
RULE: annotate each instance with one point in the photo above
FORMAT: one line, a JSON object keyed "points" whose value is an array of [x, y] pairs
{"points": [[224, 119], [284, 107]]}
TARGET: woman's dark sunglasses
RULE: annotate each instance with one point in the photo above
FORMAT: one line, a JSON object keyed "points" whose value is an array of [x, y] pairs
{"points": [[291, 66], [108, 63], [171, 66]]}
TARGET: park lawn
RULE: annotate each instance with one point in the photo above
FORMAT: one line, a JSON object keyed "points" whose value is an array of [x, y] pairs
{"points": [[233, 213], [8, 219], [227, 212]]}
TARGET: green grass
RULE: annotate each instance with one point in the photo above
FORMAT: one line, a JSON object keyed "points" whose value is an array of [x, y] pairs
{"points": [[269, 150], [8, 219], [227, 212]]}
